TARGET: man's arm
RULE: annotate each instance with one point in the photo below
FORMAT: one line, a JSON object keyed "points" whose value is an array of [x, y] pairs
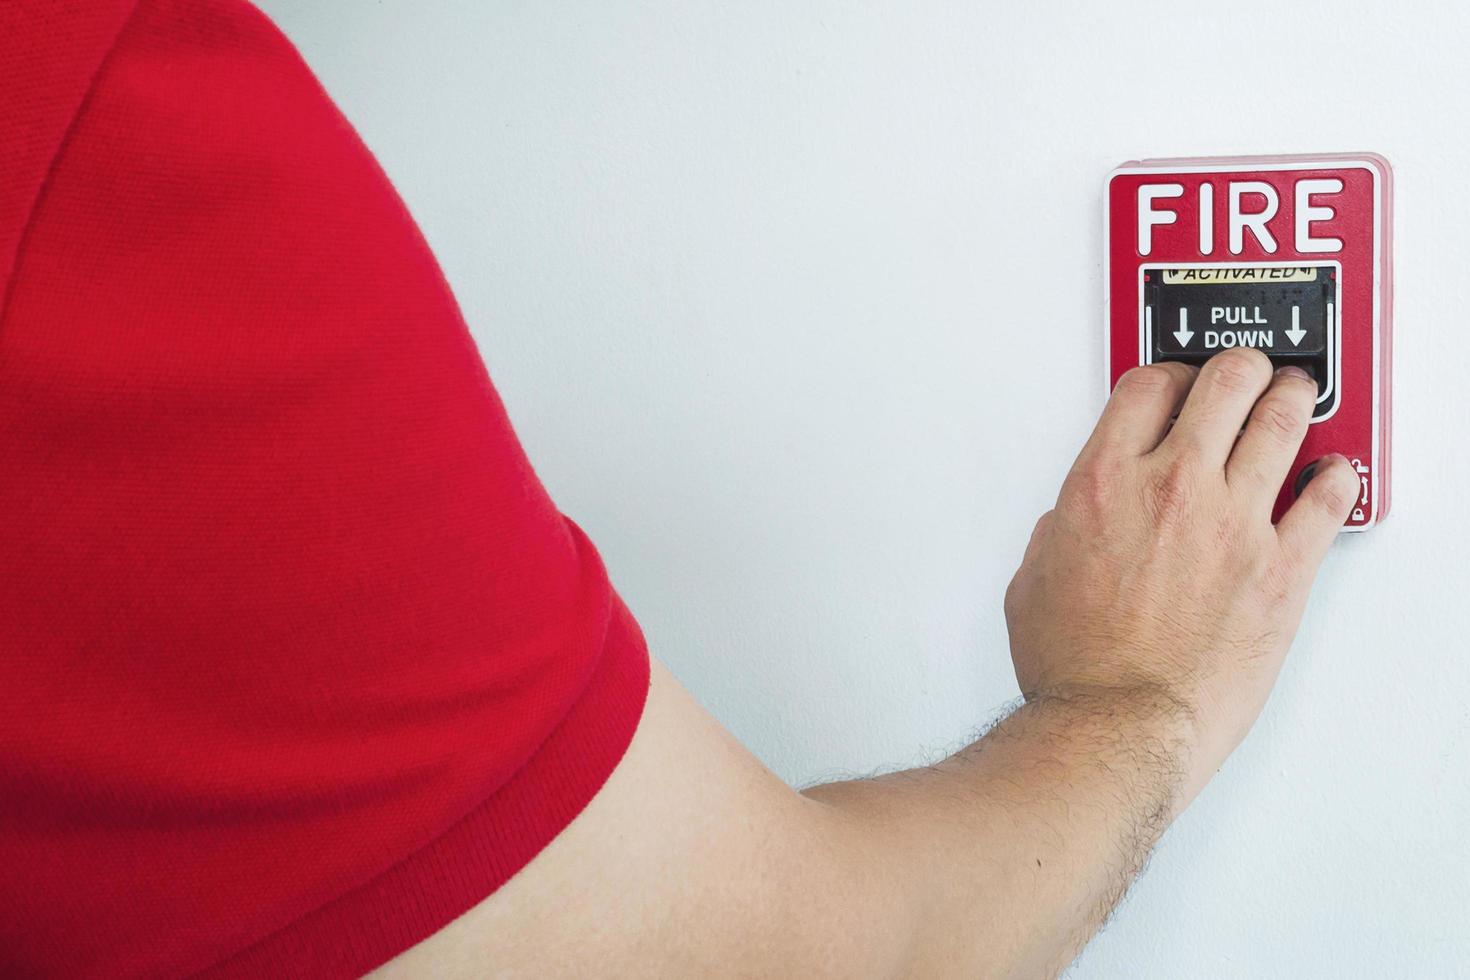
{"points": [[1148, 622]]}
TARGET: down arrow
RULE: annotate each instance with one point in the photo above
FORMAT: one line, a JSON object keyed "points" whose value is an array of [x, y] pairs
{"points": [[1296, 333], [1184, 335]]}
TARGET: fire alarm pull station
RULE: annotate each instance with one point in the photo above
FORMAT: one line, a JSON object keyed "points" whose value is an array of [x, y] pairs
{"points": [[1290, 255]]}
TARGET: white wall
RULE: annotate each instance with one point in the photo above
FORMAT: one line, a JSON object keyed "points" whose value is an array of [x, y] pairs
{"points": [[796, 306]]}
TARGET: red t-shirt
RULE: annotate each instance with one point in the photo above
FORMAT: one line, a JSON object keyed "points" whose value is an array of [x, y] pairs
{"points": [[298, 661]]}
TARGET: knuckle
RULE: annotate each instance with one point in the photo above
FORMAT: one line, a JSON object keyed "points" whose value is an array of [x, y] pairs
{"points": [[1280, 418], [1239, 369], [1094, 487], [1171, 490]]}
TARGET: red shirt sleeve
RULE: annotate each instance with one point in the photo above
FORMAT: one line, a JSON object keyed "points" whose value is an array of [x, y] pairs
{"points": [[298, 661]]}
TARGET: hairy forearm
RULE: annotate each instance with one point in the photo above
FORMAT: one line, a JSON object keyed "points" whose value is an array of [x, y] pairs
{"points": [[695, 860], [1013, 851]]}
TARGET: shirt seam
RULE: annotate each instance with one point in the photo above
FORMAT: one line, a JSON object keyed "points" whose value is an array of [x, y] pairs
{"points": [[23, 239]]}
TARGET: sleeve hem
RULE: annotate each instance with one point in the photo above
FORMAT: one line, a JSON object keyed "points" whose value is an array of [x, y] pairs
{"points": [[418, 896]]}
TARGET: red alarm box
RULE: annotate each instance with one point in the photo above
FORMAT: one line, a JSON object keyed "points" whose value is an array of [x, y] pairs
{"points": [[1288, 254]]}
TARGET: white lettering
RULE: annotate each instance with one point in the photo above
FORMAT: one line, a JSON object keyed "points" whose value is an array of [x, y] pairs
{"points": [[1255, 221], [1236, 314], [1153, 214], [1206, 218], [1239, 338], [1148, 216], [1307, 213]]}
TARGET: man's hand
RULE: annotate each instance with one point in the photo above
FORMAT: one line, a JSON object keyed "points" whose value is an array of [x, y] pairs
{"points": [[1148, 621], [1159, 573]]}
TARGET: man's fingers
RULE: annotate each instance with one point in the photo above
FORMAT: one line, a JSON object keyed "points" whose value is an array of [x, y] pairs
{"points": [[1309, 527], [1143, 402], [1273, 434], [1212, 416]]}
